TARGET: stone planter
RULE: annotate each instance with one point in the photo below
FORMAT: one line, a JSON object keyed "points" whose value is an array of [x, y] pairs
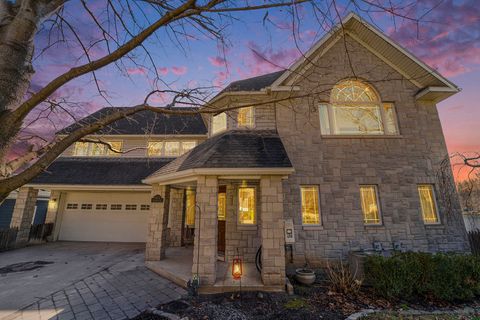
{"points": [[305, 276]]}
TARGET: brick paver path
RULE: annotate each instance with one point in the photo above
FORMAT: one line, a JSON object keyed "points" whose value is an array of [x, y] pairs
{"points": [[114, 293]]}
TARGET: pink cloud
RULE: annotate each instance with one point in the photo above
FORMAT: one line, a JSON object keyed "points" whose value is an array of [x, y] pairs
{"points": [[217, 61], [179, 70], [163, 71], [136, 71], [220, 78]]}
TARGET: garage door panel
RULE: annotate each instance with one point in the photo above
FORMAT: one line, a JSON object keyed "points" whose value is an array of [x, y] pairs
{"points": [[105, 225]]}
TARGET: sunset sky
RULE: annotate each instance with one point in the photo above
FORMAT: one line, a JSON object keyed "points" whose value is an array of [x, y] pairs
{"points": [[448, 39]]}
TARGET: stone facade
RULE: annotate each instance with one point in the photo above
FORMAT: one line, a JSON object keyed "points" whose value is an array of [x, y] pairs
{"points": [[175, 221], [157, 226], [338, 165], [205, 243], [23, 213]]}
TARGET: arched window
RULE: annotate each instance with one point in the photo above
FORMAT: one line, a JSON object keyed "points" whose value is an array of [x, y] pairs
{"points": [[356, 109]]}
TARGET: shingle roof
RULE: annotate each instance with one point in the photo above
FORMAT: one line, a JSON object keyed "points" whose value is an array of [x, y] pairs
{"points": [[255, 83], [234, 149], [99, 171], [145, 122]]}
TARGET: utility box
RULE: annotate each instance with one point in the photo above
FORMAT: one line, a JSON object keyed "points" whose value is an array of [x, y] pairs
{"points": [[289, 232]]}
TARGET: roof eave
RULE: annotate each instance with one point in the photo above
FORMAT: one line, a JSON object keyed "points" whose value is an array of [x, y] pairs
{"points": [[436, 94], [84, 187]]}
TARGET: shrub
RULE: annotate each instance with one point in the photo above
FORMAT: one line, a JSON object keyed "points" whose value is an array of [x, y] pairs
{"points": [[414, 275]]}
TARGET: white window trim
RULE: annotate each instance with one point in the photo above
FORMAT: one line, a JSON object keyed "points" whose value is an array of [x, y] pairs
{"points": [[435, 204], [319, 209], [380, 214], [90, 146], [255, 216], [254, 123], [162, 149]]}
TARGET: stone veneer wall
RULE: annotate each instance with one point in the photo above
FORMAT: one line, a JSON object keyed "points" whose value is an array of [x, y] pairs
{"points": [[175, 217], [244, 237], [23, 212], [339, 165]]}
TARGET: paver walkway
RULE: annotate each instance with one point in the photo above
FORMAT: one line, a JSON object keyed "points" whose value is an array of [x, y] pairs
{"points": [[120, 291]]}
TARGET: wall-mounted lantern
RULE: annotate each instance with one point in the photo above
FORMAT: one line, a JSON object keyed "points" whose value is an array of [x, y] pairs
{"points": [[237, 268]]}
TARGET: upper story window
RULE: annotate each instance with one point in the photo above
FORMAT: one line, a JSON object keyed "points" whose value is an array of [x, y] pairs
{"points": [[219, 123], [98, 149], [356, 109], [169, 148], [245, 117]]}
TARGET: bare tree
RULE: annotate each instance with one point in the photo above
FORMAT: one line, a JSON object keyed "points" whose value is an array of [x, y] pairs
{"points": [[123, 27]]}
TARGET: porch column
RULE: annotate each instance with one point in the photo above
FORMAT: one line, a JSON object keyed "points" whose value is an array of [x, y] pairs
{"points": [[56, 205], [176, 217], [272, 233], [23, 213], [157, 223], [205, 244]]}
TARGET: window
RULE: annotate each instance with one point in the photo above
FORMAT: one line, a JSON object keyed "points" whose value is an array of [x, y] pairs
{"points": [[72, 205], [222, 203], [428, 204], [219, 123], [115, 207], [245, 118], [190, 208], [188, 145], [172, 148], [370, 207], [310, 208], [246, 205], [101, 206], [98, 149], [144, 207], [355, 109], [130, 207], [86, 206], [155, 148]]}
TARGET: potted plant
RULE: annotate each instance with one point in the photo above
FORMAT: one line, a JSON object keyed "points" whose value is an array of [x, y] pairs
{"points": [[305, 275]]}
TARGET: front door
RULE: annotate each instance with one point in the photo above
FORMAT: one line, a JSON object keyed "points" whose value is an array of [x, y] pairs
{"points": [[222, 211]]}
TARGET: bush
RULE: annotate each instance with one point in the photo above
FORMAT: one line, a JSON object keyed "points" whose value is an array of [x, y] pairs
{"points": [[413, 275]]}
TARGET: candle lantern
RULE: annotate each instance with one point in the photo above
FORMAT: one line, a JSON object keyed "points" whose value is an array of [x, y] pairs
{"points": [[237, 268]]}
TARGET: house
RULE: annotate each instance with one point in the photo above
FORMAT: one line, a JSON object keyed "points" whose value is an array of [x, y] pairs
{"points": [[338, 153]]}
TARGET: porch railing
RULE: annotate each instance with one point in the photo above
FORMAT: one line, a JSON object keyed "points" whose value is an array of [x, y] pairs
{"points": [[8, 237], [40, 231]]}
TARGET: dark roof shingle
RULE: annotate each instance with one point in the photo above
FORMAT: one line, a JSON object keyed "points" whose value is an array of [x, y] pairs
{"points": [[100, 171], [144, 122], [255, 83], [234, 149]]}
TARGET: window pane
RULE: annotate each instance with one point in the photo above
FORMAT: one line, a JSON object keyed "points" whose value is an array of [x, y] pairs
{"points": [[81, 148], [246, 205], [371, 213], [190, 208], [310, 212], [427, 202], [188, 145], [155, 148], [117, 146], [172, 148], [357, 120], [98, 149], [353, 91], [245, 117], [222, 206], [390, 119], [219, 123], [324, 122]]}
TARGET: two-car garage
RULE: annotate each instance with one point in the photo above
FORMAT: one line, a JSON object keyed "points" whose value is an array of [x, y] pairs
{"points": [[104, 216]]}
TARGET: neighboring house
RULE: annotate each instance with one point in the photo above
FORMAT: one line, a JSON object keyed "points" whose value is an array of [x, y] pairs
{"points": [[346, 152]]}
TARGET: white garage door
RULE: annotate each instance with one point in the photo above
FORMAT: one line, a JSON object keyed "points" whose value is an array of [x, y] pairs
{"points": [[105, 216]]}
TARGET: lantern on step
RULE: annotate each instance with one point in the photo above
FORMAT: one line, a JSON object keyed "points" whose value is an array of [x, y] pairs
{"points": [[237, 268]]}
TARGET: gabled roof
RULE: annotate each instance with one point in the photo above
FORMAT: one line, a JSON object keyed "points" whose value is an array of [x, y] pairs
{"points": [[255, 83], [99, 171], [145, 122], [254, 149]]}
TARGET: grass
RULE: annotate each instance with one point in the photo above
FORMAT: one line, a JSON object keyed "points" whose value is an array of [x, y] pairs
{"points": [[295, 304]]}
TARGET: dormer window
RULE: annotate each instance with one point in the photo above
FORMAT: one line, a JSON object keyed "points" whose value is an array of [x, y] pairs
{"points": [[245, 117], [219, 123], [356, 109]]}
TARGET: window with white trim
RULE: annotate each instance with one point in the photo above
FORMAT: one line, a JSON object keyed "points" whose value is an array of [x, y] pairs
{"points": [[246, 117], [91, 149], [219, 123], [356, 109], [169, 148], [246, 205], [428, 204], [370, 205], [310, 206], [72, 206]]}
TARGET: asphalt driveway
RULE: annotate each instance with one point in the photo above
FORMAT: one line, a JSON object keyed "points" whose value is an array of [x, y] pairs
{"points": [[79, 280]]}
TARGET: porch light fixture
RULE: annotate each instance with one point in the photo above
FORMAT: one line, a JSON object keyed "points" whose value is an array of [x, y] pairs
{"points": [[237, 268]]}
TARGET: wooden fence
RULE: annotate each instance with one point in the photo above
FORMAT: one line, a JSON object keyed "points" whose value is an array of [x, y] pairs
{"points": [[7, 238], [474, 239], [40, 231]]}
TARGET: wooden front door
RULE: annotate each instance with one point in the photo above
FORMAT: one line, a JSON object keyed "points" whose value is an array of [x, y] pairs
{"points": [[222, 211]]}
